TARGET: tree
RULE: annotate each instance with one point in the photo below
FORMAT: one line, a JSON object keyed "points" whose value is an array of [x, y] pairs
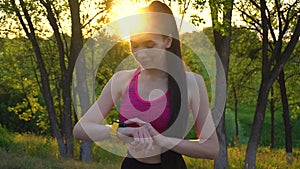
{"points": [[30, 16], [21, 103], [274, 16], [243, 68], [66, 148], [75, 48], [222, 36]]}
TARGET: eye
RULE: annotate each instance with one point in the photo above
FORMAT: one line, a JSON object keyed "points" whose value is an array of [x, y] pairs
{"points": [[149, 44], [134, 45]]}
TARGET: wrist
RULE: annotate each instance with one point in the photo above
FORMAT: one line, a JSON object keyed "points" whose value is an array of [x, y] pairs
{"points": [[161, 140], [125, 134], [113, 131], [167, 142]]}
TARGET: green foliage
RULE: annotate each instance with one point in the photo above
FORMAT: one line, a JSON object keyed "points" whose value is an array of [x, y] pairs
{"points": [[244, 67], [5, 138], [292, 76], [22, 107], [20, 87], [198, 56], [118, 58], [245, 118]]}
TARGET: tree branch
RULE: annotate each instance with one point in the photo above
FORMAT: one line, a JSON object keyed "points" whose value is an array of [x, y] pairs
{"points": [[90, 20], [59, 43], [270, 25], [255, 4], [255, 23], [287, 52], [16, 10], [265, 59], [185, 8]]}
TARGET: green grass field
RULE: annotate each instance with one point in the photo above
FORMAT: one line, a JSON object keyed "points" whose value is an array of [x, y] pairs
{"points": [[245, 118], [28, 151]]}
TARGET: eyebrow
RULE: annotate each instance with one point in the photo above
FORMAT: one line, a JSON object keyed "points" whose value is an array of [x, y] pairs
{"points": [[147, 41], [143, 42]]}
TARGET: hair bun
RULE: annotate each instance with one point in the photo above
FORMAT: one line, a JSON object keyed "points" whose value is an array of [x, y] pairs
{"points": [[157, 6]]}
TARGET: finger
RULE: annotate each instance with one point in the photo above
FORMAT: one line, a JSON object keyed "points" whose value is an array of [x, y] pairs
{"points": [[135, 139], [145, 140], [141, 137], [148, 140], [138, 143], [151, 129], [135, 120], [149, 146]]}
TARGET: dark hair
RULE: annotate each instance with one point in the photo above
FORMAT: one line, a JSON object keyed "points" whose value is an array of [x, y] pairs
{"points": [[177, 87]]}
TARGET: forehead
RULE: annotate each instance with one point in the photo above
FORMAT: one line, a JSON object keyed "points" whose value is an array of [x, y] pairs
{"points": [[145, 37]]}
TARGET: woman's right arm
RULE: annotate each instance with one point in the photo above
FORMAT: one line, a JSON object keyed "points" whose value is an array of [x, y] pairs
{"points": [[90, 127]]}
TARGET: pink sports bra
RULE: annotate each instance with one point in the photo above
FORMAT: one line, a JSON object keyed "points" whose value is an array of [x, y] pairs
{"points": [[156, 111]]}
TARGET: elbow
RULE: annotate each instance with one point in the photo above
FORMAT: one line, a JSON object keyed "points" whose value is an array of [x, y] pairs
{"points": [[214, 153], [215, 149], [210, 151], [77, 131]]}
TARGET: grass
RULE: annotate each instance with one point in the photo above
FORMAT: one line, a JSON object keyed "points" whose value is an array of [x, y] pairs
{"points": [[28, 151], [245, 118], [265, 159]]}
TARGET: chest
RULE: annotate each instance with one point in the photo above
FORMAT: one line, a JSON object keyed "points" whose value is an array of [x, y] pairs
{"points": [[151, 89]]}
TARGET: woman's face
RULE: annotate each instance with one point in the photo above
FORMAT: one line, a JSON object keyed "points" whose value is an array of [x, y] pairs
{"points": [[149, 49]]}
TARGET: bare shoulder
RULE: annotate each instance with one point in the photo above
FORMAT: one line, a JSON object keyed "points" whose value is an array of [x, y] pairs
{"points": [[120, 80], [123, 75], [196, 89], [194, 78]]}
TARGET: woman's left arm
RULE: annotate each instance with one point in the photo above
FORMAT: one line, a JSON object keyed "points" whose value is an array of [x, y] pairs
{"points": [[207, 145]]}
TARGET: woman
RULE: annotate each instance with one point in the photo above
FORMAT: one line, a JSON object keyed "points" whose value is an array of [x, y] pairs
{"points": [[156, 100]]}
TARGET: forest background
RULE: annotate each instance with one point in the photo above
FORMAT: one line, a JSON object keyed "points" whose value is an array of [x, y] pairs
{"points": [[257, 41]]}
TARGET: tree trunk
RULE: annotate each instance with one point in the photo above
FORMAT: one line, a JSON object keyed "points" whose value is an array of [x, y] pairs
{"points": [[45, 84], [236, 139], [286, 119], [272, 111], [269, 73], [222, 45], [76, 46], [222, 160], [223, 50], [84, 100], [257, 126], [65, 83]]}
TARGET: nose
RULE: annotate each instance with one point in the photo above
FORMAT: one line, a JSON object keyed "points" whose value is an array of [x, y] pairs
{"points": [[141, 54]]}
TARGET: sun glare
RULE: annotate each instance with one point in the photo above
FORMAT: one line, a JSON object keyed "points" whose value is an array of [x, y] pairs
{"points": [[125, 19], [126, 22]]}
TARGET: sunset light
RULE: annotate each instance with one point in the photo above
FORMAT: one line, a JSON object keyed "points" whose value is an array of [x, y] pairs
{"points": [[125, 20]]}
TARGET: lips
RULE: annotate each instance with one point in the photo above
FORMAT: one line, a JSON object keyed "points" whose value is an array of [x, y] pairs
{"points": [[144, 61]]}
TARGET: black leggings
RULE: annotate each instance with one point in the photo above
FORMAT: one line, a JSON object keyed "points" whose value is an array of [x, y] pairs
{"points": [[132, 163]]}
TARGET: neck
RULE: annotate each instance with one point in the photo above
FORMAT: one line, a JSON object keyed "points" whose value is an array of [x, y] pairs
{"points": [[154, 73]]}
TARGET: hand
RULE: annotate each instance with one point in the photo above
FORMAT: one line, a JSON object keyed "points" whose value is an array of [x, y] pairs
{"points": [[125, 134], [156, 137], [142, 140]]}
